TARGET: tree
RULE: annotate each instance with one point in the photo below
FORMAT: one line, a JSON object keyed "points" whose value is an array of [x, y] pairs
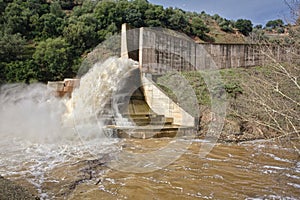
{"points": [[278, 92], [16, 17], [155, 16], [226, 25], [134, 17], [216, 17], [22, 16], [21, 71], [3, 5], [87, 7], [244, 26], [37, 7], [135, 13], [80, 36], [49, 26], [198, 27], [67, 4], [274, 23], [11, 47], [294, 31], [108, 12], [177, 20], [294, 6], [56, 10], [2, 74], [54, 58], [259, 26]]}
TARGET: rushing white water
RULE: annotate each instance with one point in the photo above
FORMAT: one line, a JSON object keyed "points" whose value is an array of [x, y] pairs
{"points": [[96, 88], [30, 112], [39, 131]]}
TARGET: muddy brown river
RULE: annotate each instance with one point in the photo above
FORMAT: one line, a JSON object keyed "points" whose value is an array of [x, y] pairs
{"points": [[252, 170]]}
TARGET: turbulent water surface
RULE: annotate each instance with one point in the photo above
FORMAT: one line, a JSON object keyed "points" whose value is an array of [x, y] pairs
{"points": [[260, 170], [57, 150]]}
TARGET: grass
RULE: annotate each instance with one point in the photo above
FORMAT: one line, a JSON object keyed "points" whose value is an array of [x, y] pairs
{"points": [[255, 109]]}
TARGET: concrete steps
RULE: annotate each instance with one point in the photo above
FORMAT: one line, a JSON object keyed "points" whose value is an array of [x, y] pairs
{"points": [[151, 131], [145, 122], [149, 119], [137, 119]]}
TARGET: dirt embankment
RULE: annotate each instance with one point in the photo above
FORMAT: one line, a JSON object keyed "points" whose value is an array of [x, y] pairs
{"points": [[9, 190], [262, 102]]}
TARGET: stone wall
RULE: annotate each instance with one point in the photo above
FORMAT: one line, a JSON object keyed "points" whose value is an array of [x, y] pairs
{"points": [[63, 88]]}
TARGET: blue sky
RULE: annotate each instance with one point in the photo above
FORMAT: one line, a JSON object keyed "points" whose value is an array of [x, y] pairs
{"points": [[258, 11]]}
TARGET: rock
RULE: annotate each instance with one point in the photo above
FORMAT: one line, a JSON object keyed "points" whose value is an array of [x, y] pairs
{"points": [[9, 190]]}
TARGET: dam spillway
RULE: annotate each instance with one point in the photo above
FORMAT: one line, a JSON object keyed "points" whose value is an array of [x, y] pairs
{"points": [[127, 113], [136, 106], [158, 52]]}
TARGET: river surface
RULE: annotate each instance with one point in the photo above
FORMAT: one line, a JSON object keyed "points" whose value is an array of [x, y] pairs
{"points": [[253, 170]]}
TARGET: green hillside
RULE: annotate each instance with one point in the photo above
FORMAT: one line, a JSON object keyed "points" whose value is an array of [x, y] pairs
{"points": [[42, 40]]}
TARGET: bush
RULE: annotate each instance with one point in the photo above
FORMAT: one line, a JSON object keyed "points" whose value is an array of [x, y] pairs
{"points": [[244, 26]]}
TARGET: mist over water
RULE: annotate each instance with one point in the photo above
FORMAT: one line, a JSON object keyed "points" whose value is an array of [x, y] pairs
{"points": [[30, 112], [40, 131]]}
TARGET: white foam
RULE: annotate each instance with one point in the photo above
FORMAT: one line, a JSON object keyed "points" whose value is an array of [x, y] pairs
{"points": [[39, 131]]}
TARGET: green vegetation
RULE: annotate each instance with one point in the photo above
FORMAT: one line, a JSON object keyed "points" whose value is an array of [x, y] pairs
{"points": [[274, 23], [231, 84], [244, 26], [44, 40], [225, 24], [262, 101], [54, 59]]}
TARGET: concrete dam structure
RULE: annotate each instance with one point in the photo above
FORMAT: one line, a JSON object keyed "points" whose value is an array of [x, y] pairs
{"points": [[160, 50], [145, 110]]}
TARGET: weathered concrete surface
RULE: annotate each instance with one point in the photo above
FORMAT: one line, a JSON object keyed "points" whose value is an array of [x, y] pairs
{"points": [[146, 132], [129, 42], [146, 47], [63, 88], [162, 50], [161, 104]]}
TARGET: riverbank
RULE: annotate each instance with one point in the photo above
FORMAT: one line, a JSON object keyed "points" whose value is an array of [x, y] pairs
{"points": [[262, 102], [10, 190]]}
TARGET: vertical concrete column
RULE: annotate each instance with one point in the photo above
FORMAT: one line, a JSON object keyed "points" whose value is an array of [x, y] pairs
{"points": [[124, 47], [141, 48]]}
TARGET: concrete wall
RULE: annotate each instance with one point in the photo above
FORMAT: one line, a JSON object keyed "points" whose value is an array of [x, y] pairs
{"points": [[162, 50], [161, 104], [130, 42]]}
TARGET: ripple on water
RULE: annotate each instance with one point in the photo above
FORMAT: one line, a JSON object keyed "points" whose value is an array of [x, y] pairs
{"points": [[229, 170]]}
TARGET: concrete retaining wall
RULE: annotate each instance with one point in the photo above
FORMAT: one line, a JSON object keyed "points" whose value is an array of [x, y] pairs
{"points": [[162, 50], [161, 104]]}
